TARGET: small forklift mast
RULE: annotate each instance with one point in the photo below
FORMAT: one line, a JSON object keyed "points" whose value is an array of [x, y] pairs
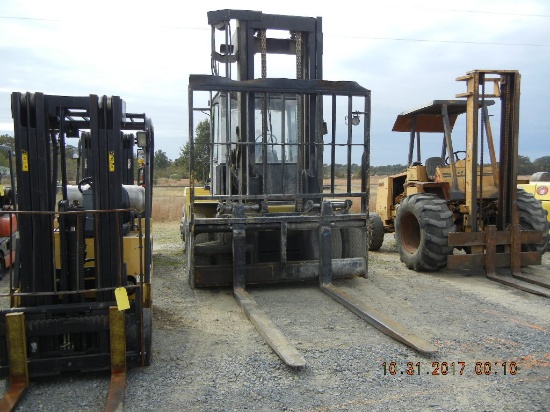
{"points": [[504, 244], [81, 243]]}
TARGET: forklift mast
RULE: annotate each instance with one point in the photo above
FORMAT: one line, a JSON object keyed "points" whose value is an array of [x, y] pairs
{"points": [[273, 120], [79, 240]]}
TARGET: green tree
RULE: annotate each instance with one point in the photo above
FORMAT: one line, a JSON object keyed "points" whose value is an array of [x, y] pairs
{"points": [[525, 167], [542, 164], [6, 140], [201, 151], [161, 160]]}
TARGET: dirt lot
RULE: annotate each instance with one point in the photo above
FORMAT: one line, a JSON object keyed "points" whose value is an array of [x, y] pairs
{"points": [[224, 364], [208, 357]]}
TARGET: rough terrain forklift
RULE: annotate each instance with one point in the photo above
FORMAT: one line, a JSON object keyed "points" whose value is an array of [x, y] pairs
{"points": [[79, 292], [273, 208], [461, 199]]}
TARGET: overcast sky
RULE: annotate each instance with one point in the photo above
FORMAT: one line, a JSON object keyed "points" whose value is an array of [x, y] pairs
{"points": [[406, 52]]}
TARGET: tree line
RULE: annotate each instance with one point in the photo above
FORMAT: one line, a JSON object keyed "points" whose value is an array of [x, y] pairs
{"points": [[179, 167]]}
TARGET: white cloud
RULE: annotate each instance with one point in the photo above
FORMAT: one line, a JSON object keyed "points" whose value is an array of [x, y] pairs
{"points": [[405, 52]]}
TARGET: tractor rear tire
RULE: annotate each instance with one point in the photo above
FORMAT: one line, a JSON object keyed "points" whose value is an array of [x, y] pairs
{"points": [[532, 216], [375, 232], [422, 227]]}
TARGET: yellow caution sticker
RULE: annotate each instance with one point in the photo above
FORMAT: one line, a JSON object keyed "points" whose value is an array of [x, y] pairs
{"points": [[121, 297], [24, 161], [111, 161]]}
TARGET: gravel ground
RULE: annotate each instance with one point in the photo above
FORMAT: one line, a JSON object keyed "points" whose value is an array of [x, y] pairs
{"points": [[207, 356]]}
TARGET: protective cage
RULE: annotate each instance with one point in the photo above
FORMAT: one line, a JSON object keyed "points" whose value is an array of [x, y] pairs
{"points": [[280, 190], [77, 243]]}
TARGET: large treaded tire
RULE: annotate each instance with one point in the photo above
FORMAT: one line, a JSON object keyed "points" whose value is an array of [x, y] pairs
{"points": [[375, 232], [148, 335], [422, 227], [195, 259], [532, 216]]}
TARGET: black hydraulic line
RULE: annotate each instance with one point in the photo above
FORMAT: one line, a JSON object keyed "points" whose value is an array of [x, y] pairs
{"points": [[63, 154], [55, 166], [349, 142], [149, 173], [333, 145], [283, 143], [481, 144]]}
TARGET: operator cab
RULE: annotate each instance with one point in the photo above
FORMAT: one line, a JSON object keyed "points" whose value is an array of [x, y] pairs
{"points": [[438, 116]]}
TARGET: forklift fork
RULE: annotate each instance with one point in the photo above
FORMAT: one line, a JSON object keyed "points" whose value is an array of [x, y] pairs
{"points": [[269, 331]]}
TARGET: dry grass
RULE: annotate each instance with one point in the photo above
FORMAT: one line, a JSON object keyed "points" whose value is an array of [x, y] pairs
{"points": [[167, 203]]}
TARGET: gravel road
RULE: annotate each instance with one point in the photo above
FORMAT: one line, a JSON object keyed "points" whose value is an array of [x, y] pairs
{"points": [[207, 356]]}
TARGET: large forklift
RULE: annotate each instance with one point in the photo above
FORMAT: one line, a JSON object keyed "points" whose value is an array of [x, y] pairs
{"points": [[467, 199], [79, 292], [279, 202]]}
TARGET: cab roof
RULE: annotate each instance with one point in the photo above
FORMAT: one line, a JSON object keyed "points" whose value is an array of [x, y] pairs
{"points": [[429, 117]]}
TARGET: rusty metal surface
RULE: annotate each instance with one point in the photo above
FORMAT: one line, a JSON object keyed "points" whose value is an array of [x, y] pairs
{"points": [[272, 335], [501, 238], [117, 387], [542, 281], [206, 82], [502, 260], [428, 118], [519, 284], [379, 320], [490, 259], [115, 398], [12, 397], [17, 354], [272, 272]]}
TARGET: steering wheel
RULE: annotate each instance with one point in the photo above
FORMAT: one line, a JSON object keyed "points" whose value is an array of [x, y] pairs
{"points": [[85, 181], [271, 139], [455, 154]]}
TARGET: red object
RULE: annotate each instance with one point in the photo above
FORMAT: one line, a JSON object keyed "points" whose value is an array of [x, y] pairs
{"points": [[7, 229], [542, 190]]}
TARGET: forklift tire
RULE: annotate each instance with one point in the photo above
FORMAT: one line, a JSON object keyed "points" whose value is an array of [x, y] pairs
{"points": [[375, 231], [196, 259], [148, 335], [311, 243], [422, 226], [353, 243], [532, 216], [336, 244]]}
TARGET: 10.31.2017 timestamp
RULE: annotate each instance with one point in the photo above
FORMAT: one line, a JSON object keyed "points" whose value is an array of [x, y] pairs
{"points": [[451, 368]]}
